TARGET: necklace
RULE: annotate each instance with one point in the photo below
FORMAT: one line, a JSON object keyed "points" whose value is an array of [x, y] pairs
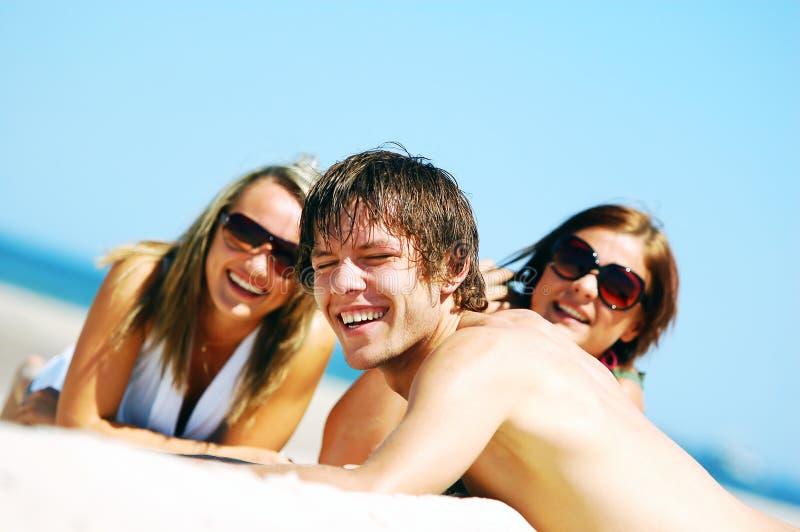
{"points": [[210, 352], [205, 344], [203, 358]]}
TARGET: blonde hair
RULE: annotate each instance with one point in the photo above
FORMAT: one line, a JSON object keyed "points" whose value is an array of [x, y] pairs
{"points": [[176, 290]]}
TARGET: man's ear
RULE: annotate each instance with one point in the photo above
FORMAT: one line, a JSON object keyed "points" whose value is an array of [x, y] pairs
{"points": [[456, 273]]}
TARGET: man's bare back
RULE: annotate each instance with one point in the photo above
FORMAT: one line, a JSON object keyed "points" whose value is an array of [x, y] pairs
{"points": [[573, 453]]}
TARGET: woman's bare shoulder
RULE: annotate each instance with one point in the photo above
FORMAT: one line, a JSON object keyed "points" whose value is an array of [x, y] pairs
{"points": [[127, 275]]}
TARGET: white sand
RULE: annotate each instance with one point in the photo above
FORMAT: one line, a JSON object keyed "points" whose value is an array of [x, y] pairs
{"points": [[54, 480], [33, 324]]}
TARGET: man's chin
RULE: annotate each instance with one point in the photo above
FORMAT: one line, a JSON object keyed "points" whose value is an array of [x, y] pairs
{"points": [[361, 365], [362, 361]]}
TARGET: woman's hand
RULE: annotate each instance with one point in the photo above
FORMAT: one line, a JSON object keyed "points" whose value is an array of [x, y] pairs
{"points": [[496, 289], [38, 408], [253, 455]]}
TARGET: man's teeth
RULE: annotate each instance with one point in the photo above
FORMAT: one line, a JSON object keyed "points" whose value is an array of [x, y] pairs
{"points": [[243, 283], [360, 316], [571, 312]]}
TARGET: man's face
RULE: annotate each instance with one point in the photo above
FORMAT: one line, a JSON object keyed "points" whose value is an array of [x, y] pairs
{"points": [[370, 289]]}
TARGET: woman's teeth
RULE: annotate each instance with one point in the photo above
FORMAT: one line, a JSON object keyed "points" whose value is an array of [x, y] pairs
{"points": [[572, 313], [351, 319], [245, 284]]}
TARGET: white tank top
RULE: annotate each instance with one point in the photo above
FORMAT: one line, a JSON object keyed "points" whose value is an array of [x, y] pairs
{"points": [[152, 402]]}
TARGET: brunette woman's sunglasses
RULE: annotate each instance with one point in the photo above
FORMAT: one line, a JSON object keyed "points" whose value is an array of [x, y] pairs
{"points": [[241, 233], [618, 287]]}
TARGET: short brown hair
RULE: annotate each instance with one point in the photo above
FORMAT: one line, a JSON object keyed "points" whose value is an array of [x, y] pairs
{"points": [[660, 303], [411, 198]]}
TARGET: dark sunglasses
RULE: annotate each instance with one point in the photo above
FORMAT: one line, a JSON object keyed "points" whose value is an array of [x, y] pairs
{"points": [[618, 287], [241, 233]]}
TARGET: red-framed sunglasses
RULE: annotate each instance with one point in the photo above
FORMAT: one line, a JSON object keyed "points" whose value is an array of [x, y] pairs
{"points": [[241, 233], [619, 287]]}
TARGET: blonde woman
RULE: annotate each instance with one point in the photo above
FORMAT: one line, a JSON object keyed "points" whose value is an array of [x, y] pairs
{"points": [[204, 346]]}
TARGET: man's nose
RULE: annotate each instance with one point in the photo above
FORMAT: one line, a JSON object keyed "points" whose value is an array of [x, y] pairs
{"points": [[347, 277]]}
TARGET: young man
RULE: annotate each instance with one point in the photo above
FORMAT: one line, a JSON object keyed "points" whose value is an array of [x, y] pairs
{"points": [[505, 401]]}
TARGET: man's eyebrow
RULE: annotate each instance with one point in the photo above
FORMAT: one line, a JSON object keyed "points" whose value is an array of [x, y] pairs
{"points": [[319, 252], [385, 243]]}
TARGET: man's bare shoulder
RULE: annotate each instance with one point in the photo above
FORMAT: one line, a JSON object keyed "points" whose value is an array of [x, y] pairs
{"points": [[506, 322], [506, 333], [518, 334], [481, 336]]}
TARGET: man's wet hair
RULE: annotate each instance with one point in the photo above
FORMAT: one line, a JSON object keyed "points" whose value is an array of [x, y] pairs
{"points": [[411, 198]]}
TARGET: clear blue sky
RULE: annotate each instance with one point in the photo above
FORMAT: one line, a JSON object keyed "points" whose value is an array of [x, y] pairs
{"points": [[120, 123]]}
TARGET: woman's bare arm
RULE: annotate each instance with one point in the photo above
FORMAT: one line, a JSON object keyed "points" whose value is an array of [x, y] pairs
{"points": [[363, 417], [272, 423], [100, 371]]}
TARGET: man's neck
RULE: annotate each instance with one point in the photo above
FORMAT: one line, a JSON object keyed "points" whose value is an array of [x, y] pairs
{"points": [[400, 371]]}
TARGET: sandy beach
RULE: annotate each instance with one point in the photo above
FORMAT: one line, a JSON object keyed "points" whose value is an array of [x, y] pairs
{"points": [[31, 323]]}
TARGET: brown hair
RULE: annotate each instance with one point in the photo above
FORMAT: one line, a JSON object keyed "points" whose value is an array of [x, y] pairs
{"points": [[176, 290], [411, 198], [660, 303]]}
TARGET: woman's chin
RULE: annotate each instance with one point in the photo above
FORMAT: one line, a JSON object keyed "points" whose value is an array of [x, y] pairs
{"points": [[241, 310]]}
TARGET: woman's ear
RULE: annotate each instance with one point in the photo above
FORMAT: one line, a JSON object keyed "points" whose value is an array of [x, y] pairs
{"points": [[632, 331]]}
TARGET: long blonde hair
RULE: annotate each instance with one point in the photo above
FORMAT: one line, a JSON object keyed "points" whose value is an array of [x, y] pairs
{"points": [[176, 290]]}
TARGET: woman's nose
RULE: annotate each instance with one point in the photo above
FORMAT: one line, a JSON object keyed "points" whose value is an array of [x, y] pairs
{"points": [[586, 286], [261, 273], [259, 257]]}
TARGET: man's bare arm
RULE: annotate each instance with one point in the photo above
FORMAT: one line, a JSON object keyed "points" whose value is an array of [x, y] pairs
{"points": [[456, 404]]}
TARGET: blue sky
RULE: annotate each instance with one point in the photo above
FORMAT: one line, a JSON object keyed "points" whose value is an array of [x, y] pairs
{"points": [[120, 122]]}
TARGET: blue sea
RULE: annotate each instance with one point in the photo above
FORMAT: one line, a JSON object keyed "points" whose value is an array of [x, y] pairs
{"points": [[75, 280]]}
